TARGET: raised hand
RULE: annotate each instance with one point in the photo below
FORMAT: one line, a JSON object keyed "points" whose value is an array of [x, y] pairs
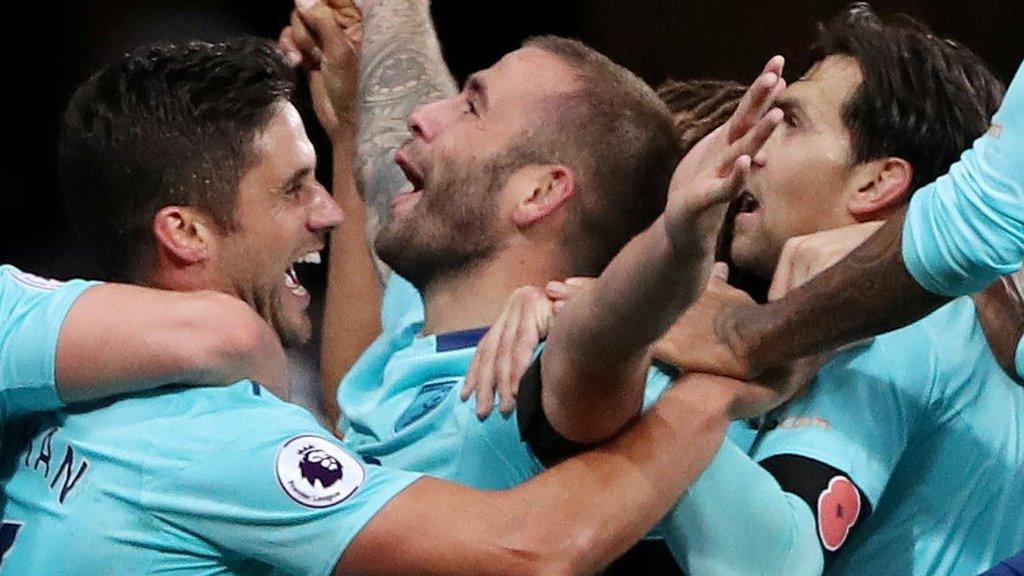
{"points": [[324, 38], [715, 170], [507, 349]]}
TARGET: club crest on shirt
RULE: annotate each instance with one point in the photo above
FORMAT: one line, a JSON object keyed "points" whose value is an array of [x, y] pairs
{"points": [[430, 396], [316, 472]]}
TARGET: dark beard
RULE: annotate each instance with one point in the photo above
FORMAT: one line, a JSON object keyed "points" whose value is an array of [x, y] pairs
{"points": [[425, 254], [453, 227]]}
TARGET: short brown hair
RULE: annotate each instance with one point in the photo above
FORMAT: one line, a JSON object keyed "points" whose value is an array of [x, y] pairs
{"points": [[923, 98], [620, 137], [166, 124]]}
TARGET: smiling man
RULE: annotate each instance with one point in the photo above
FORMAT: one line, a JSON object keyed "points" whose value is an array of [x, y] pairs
{"points": [[196, 174]]}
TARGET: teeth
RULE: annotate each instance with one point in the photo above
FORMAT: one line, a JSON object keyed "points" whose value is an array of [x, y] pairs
{"points": [[311, 258], [290, 280]]}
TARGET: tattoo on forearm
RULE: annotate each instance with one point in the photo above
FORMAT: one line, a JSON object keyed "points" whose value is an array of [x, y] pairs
{"points": [[867, 293], [401, 68]]}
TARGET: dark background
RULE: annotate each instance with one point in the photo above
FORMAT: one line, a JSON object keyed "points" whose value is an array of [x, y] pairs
{"points": [[58, 45]]}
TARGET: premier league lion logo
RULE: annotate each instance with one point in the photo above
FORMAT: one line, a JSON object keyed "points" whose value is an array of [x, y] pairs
{"points": [[319, 466], [317, 472]]}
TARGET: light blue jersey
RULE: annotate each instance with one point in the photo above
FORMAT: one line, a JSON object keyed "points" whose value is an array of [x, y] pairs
{"points": [[32, 310], [967, 228], [402, 406], [193, 481], [929, 427]]}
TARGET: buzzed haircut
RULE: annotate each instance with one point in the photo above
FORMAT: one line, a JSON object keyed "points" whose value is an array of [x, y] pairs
{"points": [[622, 143], [700, 106], [923, 98], [165, 125]]}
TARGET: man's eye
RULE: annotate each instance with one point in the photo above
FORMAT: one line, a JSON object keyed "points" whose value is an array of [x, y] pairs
{"points": [[471, 107], [789, 120], [293, 191]]}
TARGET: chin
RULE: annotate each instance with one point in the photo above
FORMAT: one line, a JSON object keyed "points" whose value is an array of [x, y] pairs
{"points": [[294, 332]]}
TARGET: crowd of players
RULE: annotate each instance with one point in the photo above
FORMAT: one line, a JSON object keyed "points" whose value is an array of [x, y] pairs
{"points": [[547, 238]]}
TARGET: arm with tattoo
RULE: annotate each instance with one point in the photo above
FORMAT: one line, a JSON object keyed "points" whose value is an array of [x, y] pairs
{"points": [[867, 293], [401, 68]]}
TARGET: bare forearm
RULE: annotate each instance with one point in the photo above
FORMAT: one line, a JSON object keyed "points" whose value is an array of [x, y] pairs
{"points": [[596, 361], [352, 307], [639, 475], [867, 293], [401, 68], [572, 519]]}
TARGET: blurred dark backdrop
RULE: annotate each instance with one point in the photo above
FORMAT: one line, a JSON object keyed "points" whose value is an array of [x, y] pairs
{"points": [[59, 44]]}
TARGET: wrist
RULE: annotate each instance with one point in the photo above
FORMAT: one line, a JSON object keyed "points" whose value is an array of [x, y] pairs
{"points": [[681, 240], [744, 330]]}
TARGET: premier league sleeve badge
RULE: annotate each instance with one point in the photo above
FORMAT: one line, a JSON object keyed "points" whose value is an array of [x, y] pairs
{"points": [[316, 472]]}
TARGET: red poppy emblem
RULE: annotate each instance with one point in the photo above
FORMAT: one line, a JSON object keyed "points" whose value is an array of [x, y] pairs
{"points": [[838, 510]]}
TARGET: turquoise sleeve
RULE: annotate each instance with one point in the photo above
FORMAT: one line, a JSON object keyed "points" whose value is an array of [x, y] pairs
{"points": [[32, 312], [967, 228], [1020, 359], [736, 520], [285, 493]]}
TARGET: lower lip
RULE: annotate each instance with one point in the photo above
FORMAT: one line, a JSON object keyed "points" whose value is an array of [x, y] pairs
{"points": [[746, 217], [405, 199]]}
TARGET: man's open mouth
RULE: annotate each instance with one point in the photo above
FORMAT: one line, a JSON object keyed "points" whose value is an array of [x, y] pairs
{"points": [[291, 277], [746, 203]]}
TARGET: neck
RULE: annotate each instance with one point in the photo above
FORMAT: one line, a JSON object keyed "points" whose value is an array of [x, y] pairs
{"points": [[475, 297]]}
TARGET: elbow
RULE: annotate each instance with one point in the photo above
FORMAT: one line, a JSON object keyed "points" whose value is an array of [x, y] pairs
{"points": [[548, 552], [233, 335]]}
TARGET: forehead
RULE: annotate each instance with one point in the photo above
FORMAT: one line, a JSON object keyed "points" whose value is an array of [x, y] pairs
{"points": [[283, 140], [280, 151], [825, 88], [528, 73]]}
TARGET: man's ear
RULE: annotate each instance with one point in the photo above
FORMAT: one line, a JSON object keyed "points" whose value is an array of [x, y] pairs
{"points": [[183, 234], [548, 188], [884, 185]]}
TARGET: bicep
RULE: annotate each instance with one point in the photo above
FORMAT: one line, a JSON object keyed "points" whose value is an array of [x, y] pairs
{"points": [[1001, 313], [119, 338]]}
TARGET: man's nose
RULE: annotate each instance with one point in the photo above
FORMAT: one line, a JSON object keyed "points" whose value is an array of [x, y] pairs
{"points": [[429, 120], [325, 213]]}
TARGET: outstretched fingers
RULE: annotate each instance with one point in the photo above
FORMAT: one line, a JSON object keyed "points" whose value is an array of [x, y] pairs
{"points": [[757, 100]]}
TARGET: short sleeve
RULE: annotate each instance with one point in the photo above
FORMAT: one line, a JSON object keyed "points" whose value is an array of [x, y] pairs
{"points": [[402, 305], [853, 419], [290, 497], [967, 228], [32, 311]]}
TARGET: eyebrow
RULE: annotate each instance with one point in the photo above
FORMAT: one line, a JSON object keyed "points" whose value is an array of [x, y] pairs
{"points": [[791, 105], [297, 177], [475, 83]]}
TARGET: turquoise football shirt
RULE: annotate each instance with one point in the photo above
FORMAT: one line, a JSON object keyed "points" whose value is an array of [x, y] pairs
{"points": [[929, 427], [402, 408], [195, 481], [32, 310]]}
